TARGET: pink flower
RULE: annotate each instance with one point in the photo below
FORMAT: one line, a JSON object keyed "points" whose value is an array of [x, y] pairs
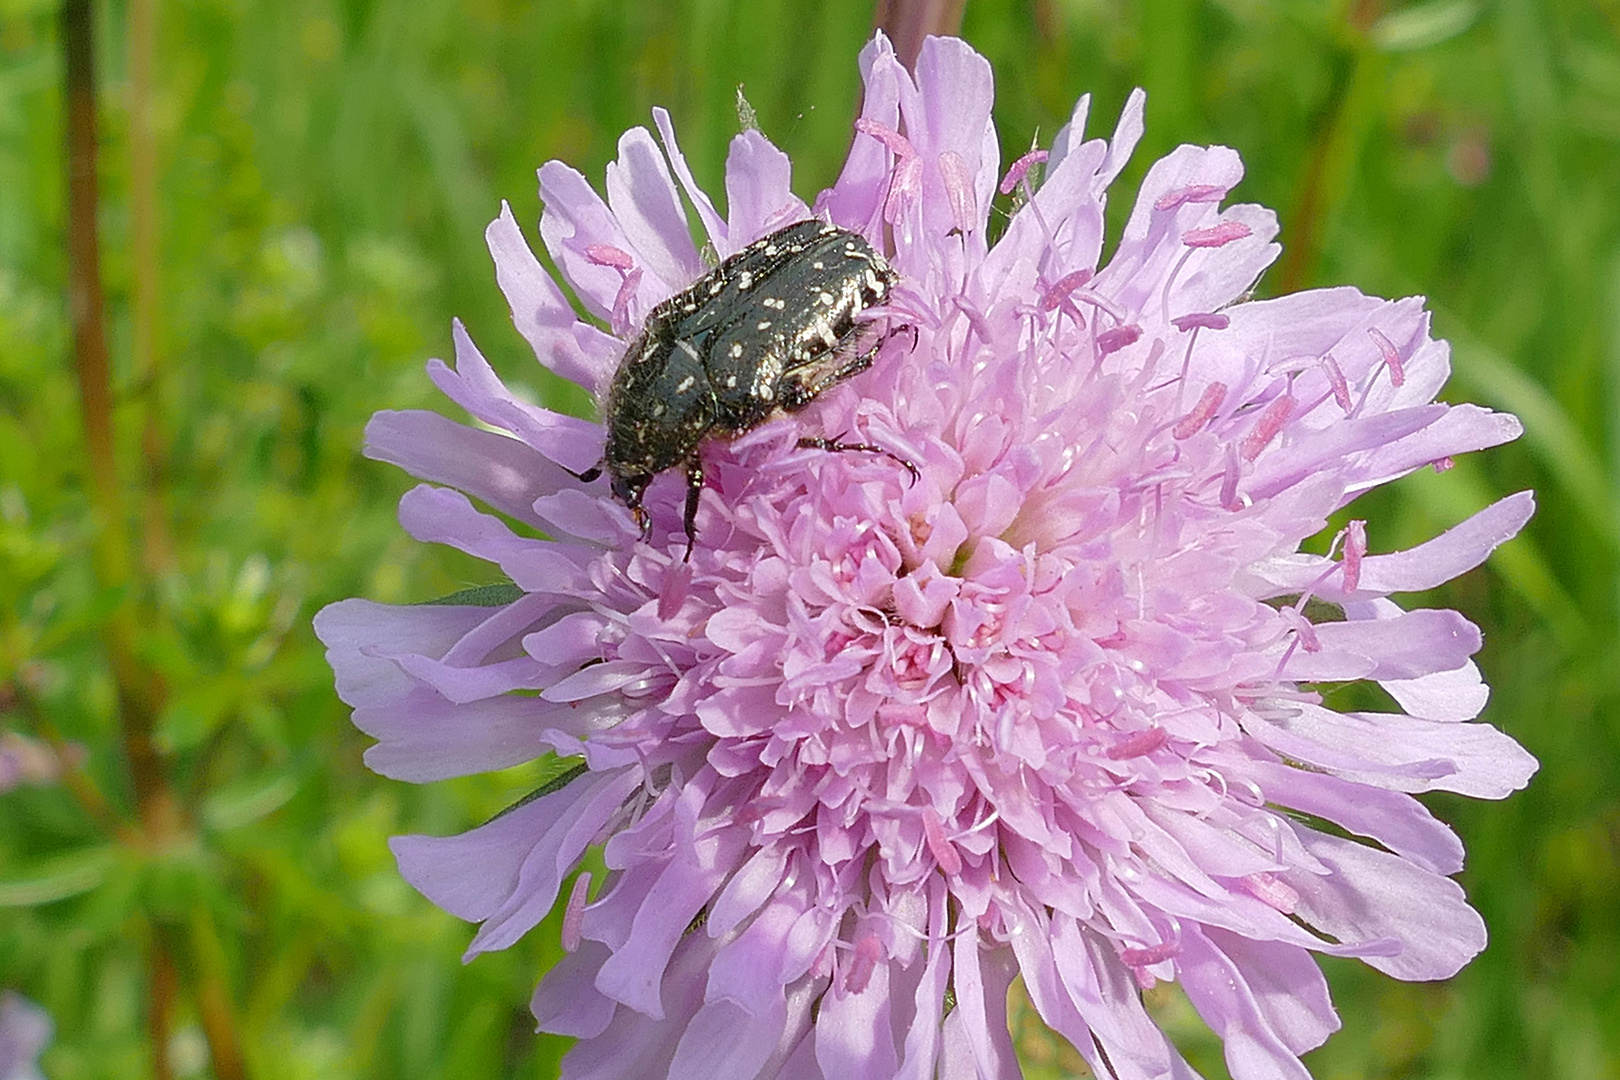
{"points": [[884, 745], [25, 1032]]}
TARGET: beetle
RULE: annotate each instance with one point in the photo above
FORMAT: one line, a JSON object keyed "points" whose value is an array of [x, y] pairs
{"points": [[763, 333]]}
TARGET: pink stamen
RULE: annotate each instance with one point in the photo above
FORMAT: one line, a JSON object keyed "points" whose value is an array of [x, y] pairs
{"points": [[1065, 285], [1392, 358], [1229, 480], [1139, 960], [1445, 464], [574, 914], [1341, 389], [868, 951], [1153, 954], [1306, 631], [939, 845], [904, 183], [621, 302], [1208, 402], [1204, 320], [608, 255], [1138, 744], [898, 144], [1110, 341], [1193, 193], [958, 189], [1216, 235], [1265, 429], [1271, 890], [1355, 546], [1020, 168]]}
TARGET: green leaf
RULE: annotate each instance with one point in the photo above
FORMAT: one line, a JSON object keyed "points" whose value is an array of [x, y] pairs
{"points": [[249, 799], [58, 877], [496, 595], [1423, 25]]}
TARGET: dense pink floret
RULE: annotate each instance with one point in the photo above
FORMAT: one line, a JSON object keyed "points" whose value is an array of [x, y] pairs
{"points": [[1041, 711]]}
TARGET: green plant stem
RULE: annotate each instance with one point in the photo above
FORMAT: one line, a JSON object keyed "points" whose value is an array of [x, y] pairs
{"points": [[1330, 168], [157, 547]]}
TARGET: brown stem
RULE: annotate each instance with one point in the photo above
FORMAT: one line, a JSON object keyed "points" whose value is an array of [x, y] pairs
{"points": [[214, 1005], [164, 991], [907, 22], [1330, 169], [139, 692], [85, 301]]}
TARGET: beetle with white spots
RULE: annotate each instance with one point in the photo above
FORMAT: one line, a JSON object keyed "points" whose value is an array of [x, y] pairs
{"points": [[718, 358]]}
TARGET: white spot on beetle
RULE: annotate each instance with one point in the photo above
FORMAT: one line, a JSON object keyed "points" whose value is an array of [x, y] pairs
{"points": [[764, 324], [685, 384], [736, 348]]}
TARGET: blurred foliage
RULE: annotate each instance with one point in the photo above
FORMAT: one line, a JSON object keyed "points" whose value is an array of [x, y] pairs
{"points": [[325, 170]]}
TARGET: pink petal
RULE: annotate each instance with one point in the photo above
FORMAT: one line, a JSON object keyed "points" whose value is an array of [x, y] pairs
{"points": [[574, 350], [1373, 894]]}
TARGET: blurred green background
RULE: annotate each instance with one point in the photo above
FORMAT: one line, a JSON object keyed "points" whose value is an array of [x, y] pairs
{"points": [[320, 175]]}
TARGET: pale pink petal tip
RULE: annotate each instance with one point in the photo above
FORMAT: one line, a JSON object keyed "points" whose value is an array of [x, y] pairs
{"points": [[1026, 684]]}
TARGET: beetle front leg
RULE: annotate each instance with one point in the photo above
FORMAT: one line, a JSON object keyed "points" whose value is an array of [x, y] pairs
{"points": [[694, 491], [839, 446]]}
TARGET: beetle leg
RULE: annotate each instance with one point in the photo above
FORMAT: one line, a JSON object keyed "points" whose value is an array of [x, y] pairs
{"points": [[694, 490], [587, 476], [838, 446], [793, 393]]}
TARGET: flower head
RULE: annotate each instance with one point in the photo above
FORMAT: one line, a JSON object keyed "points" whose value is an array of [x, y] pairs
{"points": [[884, 744]]}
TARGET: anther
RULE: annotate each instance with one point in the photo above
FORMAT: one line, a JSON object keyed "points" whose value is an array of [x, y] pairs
{"points": [[1064, 286], [574, 914], [1341, 389], [1110, 341], [1192, 193], [1208, 403], [1355, 546], [608, 255], [1265, 429], [1209, 320], [1392, 357], [1216, 235], [958, 189], [1020, 168], [621, 302]]}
